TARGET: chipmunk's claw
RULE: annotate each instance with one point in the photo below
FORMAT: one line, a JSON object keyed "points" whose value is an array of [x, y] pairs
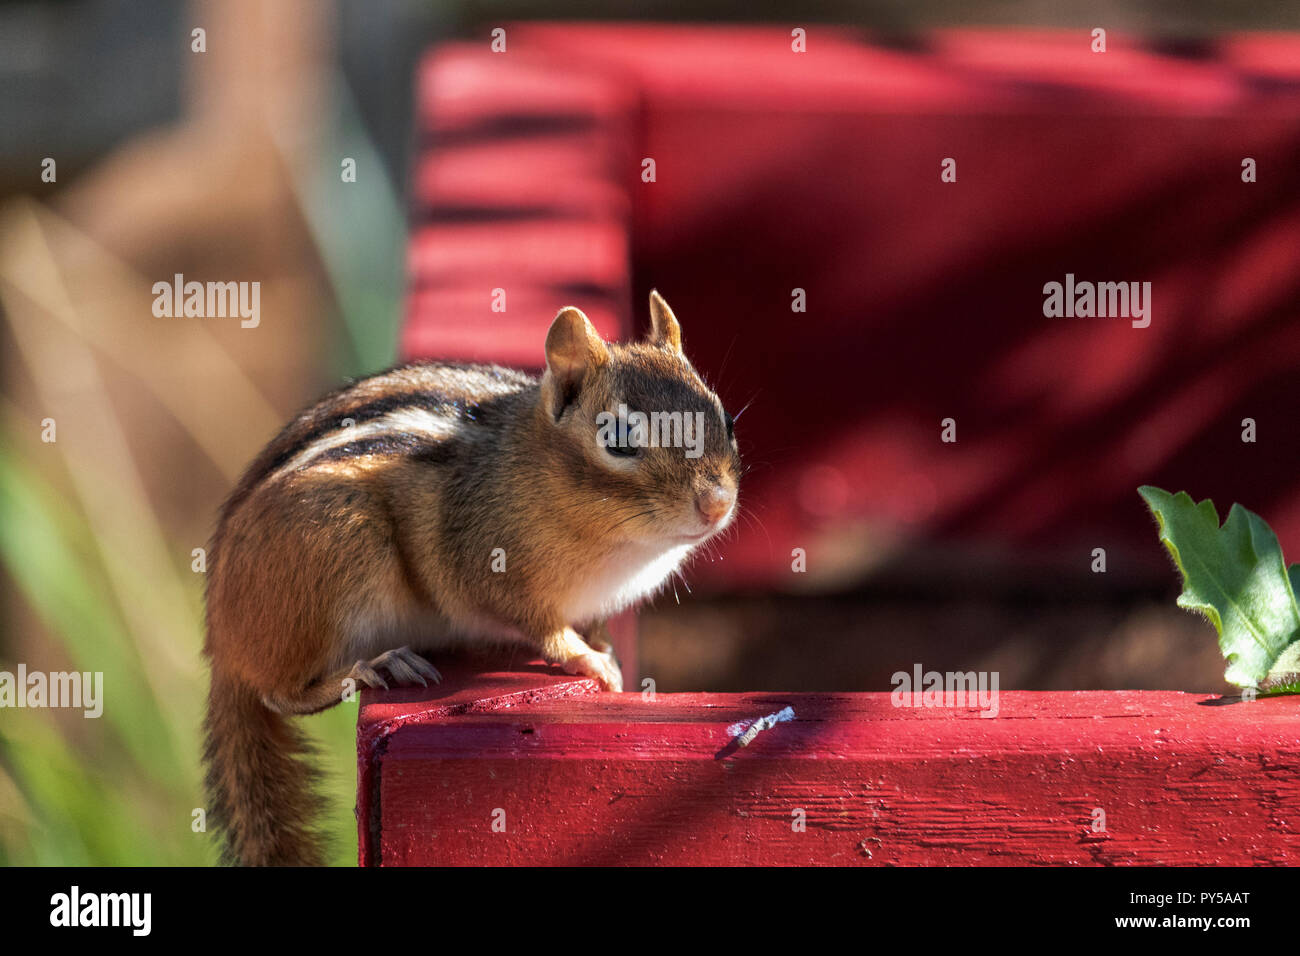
{"points": [[404, 666], [423, 666], [363, 672]]}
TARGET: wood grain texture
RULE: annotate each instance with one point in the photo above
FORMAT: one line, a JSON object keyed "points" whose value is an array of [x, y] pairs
{"points": [[585, 777]]}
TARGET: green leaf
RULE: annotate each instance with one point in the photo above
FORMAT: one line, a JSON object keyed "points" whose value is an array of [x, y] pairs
{"points": [[1235, 575], [1284, 676]]}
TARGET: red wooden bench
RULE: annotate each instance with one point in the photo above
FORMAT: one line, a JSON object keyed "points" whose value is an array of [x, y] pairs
{"points": [[528, 766], [820, 171]]}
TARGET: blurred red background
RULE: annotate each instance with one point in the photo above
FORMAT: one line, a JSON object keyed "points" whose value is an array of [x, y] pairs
{"points": [[777, 171]]}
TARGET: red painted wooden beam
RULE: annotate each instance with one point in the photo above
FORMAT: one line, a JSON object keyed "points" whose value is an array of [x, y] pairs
{"points": [[534, 767]]}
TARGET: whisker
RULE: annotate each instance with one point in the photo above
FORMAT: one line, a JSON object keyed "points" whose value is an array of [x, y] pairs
{"points": [[640, 514], [722, 369]]}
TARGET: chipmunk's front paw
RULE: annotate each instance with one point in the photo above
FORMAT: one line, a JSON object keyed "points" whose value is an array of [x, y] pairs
{"points": [[600, 666], [404, 665]]}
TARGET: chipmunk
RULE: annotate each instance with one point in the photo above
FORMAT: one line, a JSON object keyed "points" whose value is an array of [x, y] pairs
{"points": [[440, 504]]}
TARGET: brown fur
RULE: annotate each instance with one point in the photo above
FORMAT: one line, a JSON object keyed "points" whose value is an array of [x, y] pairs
{"points": [[323, 561]]}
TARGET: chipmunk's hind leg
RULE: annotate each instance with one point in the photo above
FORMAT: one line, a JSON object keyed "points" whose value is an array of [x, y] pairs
{"points": [[405, 667]]}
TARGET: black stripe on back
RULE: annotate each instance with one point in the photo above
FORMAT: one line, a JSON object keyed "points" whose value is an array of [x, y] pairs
{"points": [[367, 412], [418, 447]]}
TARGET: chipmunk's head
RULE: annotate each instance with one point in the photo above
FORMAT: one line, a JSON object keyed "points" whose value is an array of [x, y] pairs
{"points": [[651, 450]]}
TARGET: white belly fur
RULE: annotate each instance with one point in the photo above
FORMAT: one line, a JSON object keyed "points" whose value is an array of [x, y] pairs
{"points": [[623, 581]]}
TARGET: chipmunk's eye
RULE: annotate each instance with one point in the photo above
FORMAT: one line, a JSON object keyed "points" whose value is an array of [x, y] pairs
{"points": [[623, 451], [730, 423], [621, 443]]}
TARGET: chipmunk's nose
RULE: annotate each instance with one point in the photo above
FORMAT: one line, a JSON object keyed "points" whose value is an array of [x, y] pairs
{"points": [[713, 503]]}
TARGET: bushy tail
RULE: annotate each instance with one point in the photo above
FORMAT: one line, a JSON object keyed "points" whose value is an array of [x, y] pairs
{"points": [[261, 789]]}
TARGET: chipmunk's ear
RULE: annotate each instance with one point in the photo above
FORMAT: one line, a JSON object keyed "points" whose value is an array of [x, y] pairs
{"points": [[664, 329], [572, 347]]}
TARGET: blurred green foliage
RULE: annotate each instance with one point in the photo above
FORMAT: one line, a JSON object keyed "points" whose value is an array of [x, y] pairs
{"points": [[123, 789]]}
